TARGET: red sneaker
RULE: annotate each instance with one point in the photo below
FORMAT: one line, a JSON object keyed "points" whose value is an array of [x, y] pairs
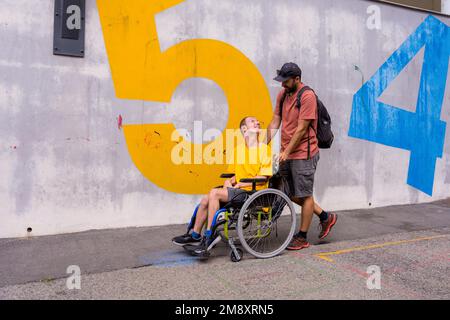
{"points": [[327, 225], [298, 243]]}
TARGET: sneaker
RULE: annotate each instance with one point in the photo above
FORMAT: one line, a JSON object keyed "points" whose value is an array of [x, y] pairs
{"points": [[186, 239], [327, 225], [298, 243]]}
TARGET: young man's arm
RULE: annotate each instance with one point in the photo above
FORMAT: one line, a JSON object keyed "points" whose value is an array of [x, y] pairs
{"points": [[229, 183]]}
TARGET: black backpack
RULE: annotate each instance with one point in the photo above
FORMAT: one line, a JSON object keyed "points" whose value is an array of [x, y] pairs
{"points": [[324, 134]]}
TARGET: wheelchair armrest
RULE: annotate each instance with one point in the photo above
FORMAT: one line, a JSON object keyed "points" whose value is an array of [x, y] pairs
{"points": [[227, 175], [254, 182]]}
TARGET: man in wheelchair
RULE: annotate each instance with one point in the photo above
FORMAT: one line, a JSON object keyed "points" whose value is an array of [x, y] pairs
{"points": [[252, 160]]}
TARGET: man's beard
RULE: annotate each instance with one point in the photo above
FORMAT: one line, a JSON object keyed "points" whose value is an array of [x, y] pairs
{"points": [[293, 89]]}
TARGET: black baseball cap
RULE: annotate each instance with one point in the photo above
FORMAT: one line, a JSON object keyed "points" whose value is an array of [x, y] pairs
{"points": [[288, 70]]}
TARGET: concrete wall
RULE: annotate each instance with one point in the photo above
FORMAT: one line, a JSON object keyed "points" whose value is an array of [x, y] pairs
{"points": [[445, 6], [85, 143]]}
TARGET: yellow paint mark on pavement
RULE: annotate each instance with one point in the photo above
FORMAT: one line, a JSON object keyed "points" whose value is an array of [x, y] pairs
{"points": [[325, 255]]}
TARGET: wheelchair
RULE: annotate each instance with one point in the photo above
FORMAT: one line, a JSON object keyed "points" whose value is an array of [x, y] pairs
{"points": [[263, 223]]}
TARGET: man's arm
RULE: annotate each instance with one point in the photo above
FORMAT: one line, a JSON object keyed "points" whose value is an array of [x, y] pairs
{"points": [[302, 128], [276, 119], [273, 127]]}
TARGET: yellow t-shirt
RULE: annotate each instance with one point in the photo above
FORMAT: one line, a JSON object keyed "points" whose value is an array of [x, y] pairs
{"points": [[252, 162]]}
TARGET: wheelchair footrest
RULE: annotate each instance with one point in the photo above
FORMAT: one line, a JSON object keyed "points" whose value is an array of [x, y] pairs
{"points": [[190, 247], [191, 250], [204, 255]]}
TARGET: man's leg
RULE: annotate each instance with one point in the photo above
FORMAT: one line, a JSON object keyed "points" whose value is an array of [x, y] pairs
{"points": [[202, 215], [307, 213], [317, 209], [200, 218], [214, 199], [299, 240], [202, 212], [302, 172], [327, 219]]}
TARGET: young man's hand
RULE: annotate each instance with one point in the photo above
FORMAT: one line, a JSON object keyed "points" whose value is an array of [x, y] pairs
{"points": [[228, 184], [242, 185]]}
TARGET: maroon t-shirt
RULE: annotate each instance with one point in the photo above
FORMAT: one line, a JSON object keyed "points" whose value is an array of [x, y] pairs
{"points": [[290, 122]]}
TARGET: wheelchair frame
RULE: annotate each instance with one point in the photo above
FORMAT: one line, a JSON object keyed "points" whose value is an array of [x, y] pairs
{"points": [[229, 214]]}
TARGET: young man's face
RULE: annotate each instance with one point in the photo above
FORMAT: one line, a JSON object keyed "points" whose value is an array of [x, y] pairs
{"points": [[252, 125]]}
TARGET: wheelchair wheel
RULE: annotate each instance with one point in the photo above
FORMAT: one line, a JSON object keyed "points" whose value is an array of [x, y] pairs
{"points": [[233, 256], [266, 223]]}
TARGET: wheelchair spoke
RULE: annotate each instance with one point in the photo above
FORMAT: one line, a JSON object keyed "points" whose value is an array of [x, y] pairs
{"points": [[266, 223]]}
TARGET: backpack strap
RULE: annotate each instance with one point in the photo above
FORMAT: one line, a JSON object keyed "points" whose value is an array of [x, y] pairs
{"points": [[317, 103], [283, 97], [299, 104], [300, 94]]}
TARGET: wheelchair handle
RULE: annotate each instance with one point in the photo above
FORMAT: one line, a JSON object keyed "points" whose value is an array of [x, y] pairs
{"points": [[253, 182], [227, 175]]}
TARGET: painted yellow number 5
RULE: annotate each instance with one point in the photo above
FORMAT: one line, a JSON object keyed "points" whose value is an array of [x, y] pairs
{"points": [[141, 71]]}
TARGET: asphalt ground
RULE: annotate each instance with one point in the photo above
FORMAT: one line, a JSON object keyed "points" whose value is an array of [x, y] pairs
{"points": [[409, 245]]}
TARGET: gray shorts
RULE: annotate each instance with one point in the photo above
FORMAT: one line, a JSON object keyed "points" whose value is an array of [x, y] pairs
{"points": [[299, 176], [237, 195]]}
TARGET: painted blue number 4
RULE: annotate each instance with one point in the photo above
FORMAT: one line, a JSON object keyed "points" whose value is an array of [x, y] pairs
{"points": [[422, 132]]}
